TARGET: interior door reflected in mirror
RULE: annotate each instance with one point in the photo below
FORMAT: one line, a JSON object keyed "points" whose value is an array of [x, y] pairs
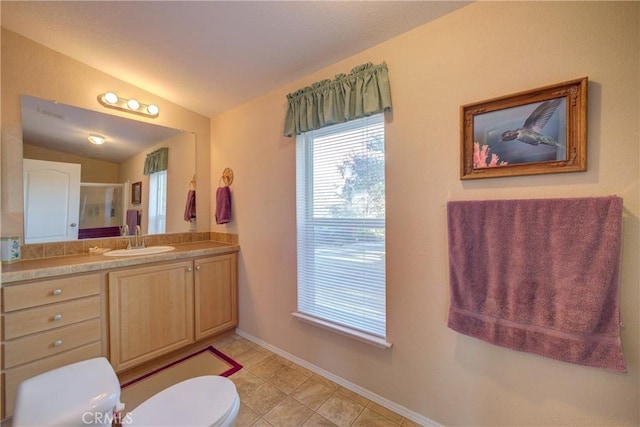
{"points": [[60, 135]]}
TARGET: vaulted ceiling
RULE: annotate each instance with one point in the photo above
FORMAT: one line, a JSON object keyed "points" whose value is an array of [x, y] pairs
{"points": [[211, 56]]}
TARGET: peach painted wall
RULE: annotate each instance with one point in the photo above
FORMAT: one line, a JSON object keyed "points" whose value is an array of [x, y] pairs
{"points": [[481, 51], [29, 68]]}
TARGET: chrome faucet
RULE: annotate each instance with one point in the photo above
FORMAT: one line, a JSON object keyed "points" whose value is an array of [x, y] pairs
{"points": [[138, 233]]}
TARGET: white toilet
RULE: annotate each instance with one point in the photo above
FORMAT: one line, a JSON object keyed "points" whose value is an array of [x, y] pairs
{"points": [[87, 393]]}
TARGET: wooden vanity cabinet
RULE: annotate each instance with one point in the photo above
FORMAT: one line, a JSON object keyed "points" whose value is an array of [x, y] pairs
{"points": [[47, 324], [157, 309], [216, 295], [150, 312]]}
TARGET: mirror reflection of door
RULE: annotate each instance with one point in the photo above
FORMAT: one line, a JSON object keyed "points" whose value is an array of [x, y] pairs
{"points": [[51, 201]]}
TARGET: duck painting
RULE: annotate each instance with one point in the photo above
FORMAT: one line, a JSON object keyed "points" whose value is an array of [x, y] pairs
{"points": [[530, 132]]}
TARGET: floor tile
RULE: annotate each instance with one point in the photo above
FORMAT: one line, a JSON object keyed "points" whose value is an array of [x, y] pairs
{"points": [[264, 398], [340, 410], [353, 396], [387, 413], [246, 416], [261, 423], [287, 380], [312, 393], [370, 418], [233, 347], [304, 371], [409, 423], [326, 382], [246, 383], [318, 420], [250, 357], [263, 350], [288, 413], [282, 360], [267, 368]]}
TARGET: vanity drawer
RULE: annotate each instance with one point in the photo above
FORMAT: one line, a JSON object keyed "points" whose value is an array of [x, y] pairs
{"points": [[51, 316], [14, 376], [37, 346], [50, 291]]}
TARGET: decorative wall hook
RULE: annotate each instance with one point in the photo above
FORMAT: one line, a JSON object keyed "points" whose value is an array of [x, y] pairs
{"points": [[227, 177]]}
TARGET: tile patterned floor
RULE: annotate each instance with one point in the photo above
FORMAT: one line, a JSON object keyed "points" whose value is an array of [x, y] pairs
{"points": [[275, 392]]}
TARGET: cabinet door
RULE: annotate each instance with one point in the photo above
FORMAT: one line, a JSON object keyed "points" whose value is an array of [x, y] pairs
{"points": [[216, 294], [151, 312]]}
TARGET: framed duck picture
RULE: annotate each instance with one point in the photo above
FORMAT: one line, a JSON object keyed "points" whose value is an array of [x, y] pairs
{"points": [[539, 131]]}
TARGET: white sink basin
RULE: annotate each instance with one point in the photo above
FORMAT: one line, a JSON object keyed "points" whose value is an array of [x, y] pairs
{"points": [[140, 251]]}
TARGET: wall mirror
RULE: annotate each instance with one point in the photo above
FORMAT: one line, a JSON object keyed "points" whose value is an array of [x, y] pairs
{"points": [[55, 133]]}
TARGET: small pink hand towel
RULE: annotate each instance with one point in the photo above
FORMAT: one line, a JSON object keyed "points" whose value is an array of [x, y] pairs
{"points": [[223, 205], [190, 207]]}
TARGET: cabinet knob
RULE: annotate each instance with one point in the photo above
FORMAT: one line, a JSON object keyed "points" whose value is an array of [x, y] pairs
{"points": [[73, 224], [57, 292], [57, 343], [57, 317], [189, 269], [198, 268]]}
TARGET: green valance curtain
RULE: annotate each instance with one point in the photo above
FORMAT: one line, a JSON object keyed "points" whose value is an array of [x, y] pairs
{"points": [[362, 92], [156, 161]]}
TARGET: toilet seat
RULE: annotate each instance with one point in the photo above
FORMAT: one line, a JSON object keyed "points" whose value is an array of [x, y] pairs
{"points": [[201, 401], [83, 393]]}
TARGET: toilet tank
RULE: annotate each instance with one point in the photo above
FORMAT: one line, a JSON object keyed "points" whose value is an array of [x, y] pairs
{"points": [[83, 393]]}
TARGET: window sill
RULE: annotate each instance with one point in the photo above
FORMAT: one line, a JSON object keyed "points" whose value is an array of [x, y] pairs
{"points": [[342, 330]]}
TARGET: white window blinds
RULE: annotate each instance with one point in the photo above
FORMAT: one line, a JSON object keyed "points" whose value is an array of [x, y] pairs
{"points": [[341, 225], [157, 202]]}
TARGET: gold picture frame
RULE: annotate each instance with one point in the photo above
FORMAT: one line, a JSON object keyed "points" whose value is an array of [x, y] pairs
{"points": [[136, 193], [539, 131]]}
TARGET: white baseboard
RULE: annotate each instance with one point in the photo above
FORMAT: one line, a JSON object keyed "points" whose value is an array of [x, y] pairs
{"points": [[398, 409]]}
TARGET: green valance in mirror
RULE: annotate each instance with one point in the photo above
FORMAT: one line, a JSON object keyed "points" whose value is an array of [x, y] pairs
{"points": [[156, 161]]}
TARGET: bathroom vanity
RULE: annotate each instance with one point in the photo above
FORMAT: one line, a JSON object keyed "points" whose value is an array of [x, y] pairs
{"points": [[157, 309], [131, 310]]}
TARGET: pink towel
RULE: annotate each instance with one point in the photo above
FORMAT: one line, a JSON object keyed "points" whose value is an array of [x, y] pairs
{"points": [[190, 206], [223, 205], [539, 276]]}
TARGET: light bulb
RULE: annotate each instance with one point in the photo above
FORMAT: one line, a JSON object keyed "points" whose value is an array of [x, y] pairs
{"points": [[133, 104], [111, 97], [153, 109], [97, 139]]}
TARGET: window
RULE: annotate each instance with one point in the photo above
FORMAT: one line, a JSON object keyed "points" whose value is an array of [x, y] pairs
{"points": [[341, 228], [157, 202]]}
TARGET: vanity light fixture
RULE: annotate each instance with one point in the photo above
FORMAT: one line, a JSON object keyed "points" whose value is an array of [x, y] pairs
{"points": [[111, 100], [97, 139]]}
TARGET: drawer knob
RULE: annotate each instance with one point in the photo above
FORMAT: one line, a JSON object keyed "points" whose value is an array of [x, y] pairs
{"points": [[57, 317], [57, 343], [57, 291]]}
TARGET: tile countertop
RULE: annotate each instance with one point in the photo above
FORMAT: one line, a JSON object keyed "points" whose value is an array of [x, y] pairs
{"points": [[63, 265]]}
